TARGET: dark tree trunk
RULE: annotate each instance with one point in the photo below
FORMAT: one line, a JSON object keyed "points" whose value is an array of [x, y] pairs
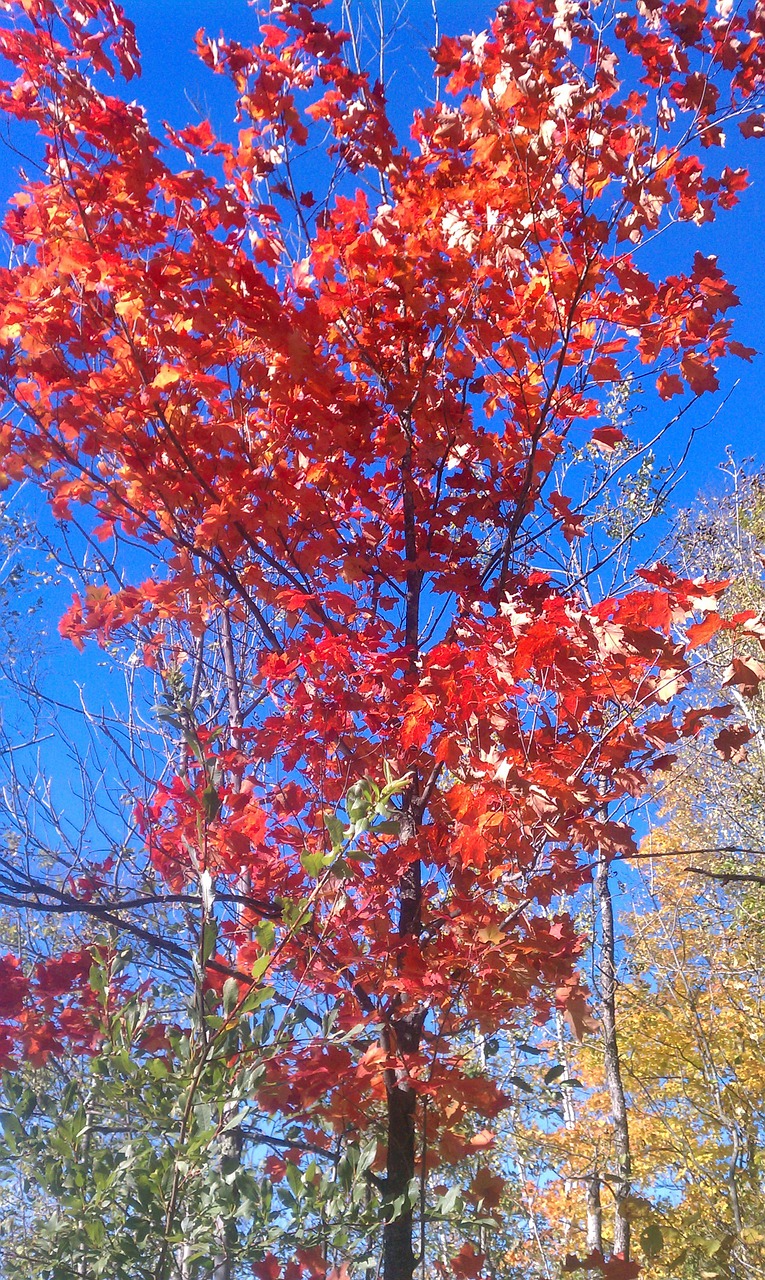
{"points": [[398, 1251], [403, 1034], [403, 1039]]}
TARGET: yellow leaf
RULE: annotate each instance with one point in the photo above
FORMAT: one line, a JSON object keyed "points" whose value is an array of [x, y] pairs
{"points": [[167, 377]]}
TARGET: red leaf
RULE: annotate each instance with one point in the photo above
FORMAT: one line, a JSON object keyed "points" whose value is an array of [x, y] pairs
{"points": [[607, 437], [268, 1269], [693, 720], [731, 740], [699, 373], [571, 523], [743, 353], [486, 1188], [746, 676], [753, 126], [13, 987], [468, 1264], [605, 369], [669, 385], [577, 1012], [58, 975]]}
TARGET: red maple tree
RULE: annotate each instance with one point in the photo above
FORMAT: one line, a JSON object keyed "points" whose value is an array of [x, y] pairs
{"points": [[336, 423]]}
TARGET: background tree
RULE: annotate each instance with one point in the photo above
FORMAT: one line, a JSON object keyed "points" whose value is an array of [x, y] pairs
{"points": [[689, 997]]}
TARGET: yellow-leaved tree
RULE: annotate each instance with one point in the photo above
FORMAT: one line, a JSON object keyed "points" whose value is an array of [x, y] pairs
{"points": [[687, 973]]}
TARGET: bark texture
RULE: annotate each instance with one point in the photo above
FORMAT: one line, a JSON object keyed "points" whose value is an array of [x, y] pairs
{"points": [[594, 1215], [403, 1034], [403, 1039], [622, 1178]]}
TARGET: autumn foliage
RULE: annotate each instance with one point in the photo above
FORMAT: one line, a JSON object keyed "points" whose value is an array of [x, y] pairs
{"points": [[329, 428]]}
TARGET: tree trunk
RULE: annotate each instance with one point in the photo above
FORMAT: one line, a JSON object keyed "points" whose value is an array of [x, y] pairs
{"points": [[402, 1039], [611, 1061], [398, 1252], [231, 1140], [230, 1155], [403, 1034], [594, 1214], [569, 1118]]}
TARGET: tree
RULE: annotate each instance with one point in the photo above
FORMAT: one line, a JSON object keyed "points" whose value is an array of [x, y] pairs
{"points": [[689, 1017], [704, 1095], [319, 440]]}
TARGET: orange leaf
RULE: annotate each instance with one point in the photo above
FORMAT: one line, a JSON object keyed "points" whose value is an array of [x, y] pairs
{"points": [[700, 632]]}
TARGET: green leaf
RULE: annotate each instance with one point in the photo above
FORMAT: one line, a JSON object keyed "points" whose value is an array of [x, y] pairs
{"points": [[230, 995], [260, 966], [211, 801], [651, 1240], [359, 798], [314, 863], [520, 1083], [97, 980], [336, 830], [451, 1201], [265, 935], [295, 914], [209, 938]]}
